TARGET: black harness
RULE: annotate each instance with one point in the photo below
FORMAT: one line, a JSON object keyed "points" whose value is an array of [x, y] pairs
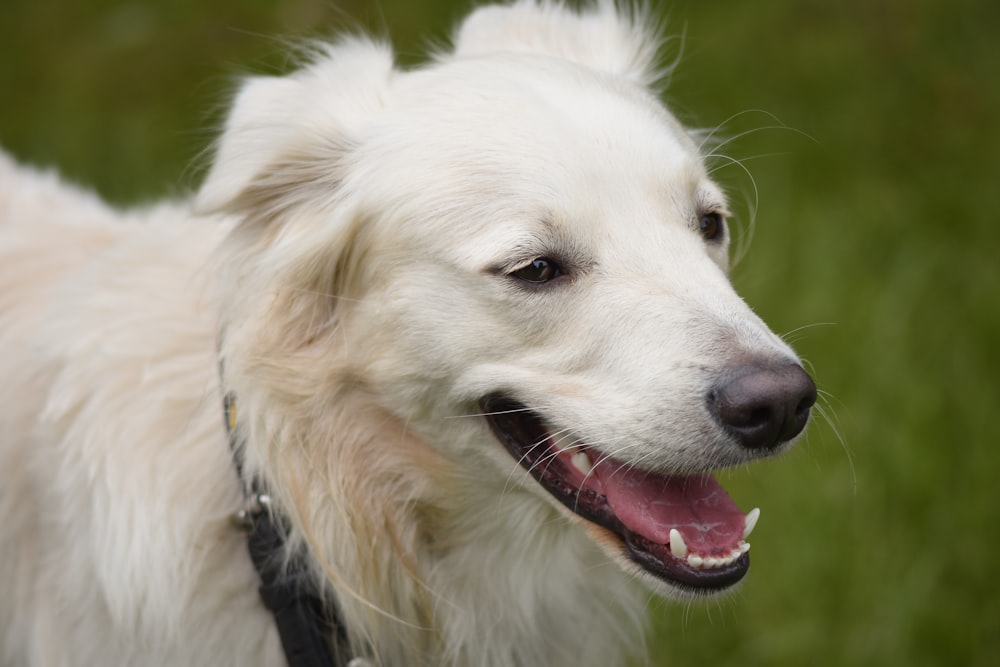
{"points": [[312, 632]]}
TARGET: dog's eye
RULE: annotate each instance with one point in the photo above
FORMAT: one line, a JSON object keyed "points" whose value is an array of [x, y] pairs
{"points": [[541, 270], [711, 226]]}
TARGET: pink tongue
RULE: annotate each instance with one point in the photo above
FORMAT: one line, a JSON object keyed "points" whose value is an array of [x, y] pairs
{"points": [[651, 505]]}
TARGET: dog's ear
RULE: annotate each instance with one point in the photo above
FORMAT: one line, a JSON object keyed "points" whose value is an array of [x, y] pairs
{"points": [[624, 41], [279, 125]]}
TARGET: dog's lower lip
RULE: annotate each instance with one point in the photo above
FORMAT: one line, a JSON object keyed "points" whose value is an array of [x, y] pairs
{"points": [[525, 436], [679, 572]]}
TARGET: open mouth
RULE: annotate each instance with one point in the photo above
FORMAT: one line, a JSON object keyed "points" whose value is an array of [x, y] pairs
{"points": [[685, 530]]}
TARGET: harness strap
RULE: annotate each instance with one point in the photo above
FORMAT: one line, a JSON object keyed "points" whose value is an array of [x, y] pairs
{"points": [[312, 633]]}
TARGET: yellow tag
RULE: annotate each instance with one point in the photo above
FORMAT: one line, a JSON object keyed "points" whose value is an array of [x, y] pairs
{"points": [[232, 413]]}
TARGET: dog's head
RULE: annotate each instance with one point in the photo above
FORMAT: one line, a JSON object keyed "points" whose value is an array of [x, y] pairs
{"points": [[518, 252]]}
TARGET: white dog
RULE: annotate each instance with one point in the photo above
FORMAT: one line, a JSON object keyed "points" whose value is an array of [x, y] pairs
{"points": [[481, 351]]}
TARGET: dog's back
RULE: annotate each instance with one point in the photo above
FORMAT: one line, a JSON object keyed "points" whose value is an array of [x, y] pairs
{"points": [[113, 499]]}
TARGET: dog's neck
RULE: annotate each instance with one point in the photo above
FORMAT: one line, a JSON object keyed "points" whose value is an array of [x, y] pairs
{"points": [[436, 563], [311, 630]]}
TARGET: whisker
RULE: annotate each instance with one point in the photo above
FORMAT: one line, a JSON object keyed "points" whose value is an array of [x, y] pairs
{"points": [[753, 181], [749, 158], [487, 414], [808, 365], [520, 467], [712, 149], [328, 295], [807, 326], [746, 233], [826, 411], [708, 137], [763, 128], [777, 124]]}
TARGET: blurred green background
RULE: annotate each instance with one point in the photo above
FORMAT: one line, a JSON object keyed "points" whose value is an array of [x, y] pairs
{"points": [[875, 248]]}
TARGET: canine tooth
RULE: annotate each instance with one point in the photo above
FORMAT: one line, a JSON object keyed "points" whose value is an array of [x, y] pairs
{"points": [[695, 561], [581, 462], [677, 545], [744, 547], [750, 521]]}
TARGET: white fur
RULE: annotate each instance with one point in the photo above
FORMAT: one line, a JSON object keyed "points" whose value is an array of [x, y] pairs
{"points": [[343, 251]]}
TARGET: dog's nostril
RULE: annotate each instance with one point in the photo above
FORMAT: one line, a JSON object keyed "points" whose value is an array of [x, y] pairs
{"points": [[764, 406], [758, 417], [805, 405]]}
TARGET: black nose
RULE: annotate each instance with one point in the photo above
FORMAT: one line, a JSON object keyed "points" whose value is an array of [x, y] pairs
{"points": [[764, 406]]}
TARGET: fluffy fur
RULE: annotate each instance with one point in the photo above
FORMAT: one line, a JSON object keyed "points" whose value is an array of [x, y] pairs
{"points": [[348, 258]]}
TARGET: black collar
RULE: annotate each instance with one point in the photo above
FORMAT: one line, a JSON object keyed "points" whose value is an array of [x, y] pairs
{"points": [[312, 633]]}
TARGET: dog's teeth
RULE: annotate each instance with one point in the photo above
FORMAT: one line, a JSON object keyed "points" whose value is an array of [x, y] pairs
{"points": [[677, 545], [750, 520], [708, 562], [680, 550], [581, 461]]}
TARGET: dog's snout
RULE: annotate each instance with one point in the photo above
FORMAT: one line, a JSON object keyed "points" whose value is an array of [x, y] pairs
{"points": [[764, 406]]}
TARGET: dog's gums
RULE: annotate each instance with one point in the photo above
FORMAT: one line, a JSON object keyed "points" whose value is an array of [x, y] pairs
{"points": [[683, 529]]}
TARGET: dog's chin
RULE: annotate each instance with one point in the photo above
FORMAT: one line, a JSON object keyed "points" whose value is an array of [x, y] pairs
{"points": [[684, 531]]}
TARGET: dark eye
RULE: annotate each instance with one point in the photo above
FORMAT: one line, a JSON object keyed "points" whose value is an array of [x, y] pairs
{"points": [[711, 226], [540, 271]]}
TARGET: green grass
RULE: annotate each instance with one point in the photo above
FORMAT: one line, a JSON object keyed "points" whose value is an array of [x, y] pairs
{"points": [[876, 243]]}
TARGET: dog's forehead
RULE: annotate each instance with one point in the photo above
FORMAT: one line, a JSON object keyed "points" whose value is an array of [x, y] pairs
{"points": [[529, 138], [548, 116]]}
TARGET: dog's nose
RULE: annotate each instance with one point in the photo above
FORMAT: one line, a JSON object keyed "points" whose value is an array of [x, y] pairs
{"points": [[764, 406]]}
